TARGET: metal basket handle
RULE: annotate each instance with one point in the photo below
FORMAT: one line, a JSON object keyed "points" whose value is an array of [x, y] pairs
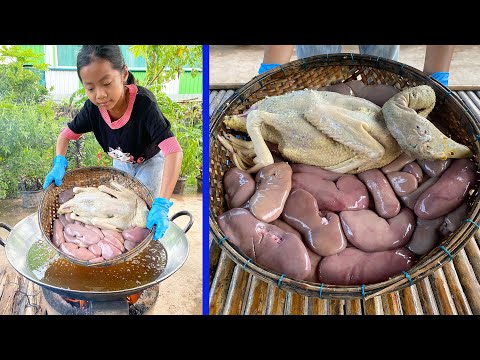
{"points": [[180, 213], [6, 227]]}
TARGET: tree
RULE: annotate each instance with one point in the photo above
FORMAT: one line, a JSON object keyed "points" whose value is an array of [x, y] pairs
{"points": [[19, 82], [165, 62]]}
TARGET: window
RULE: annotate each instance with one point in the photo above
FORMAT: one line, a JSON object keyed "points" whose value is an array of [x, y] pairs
{"points": [[132, 62], [67, 57]]}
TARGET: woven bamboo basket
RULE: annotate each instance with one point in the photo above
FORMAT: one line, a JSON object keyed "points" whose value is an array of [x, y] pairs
{"points": [[318, 71], [83, 177]]}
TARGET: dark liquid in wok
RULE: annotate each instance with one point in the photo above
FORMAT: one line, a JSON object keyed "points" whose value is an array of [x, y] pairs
{"points": [[143, 269]]}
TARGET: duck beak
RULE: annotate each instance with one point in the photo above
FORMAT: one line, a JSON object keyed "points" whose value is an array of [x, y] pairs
{"points": [[457, 151]]}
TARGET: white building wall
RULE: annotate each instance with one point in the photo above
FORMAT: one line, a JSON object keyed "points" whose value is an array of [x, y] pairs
{"points": [[171, 87], [63, 82], [66, 82]]}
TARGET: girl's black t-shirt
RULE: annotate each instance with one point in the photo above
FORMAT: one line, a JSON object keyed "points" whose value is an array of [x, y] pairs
{"points": [[137, 140]]}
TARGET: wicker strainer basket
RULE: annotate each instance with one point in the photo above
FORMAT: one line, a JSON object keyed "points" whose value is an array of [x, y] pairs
{"points": [[83, 177], [314, 72]]}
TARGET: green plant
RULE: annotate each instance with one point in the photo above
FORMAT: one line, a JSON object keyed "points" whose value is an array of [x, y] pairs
{"points": [[27, 145], [86, 151], [186, 125], [164, 63], [20, 83]]}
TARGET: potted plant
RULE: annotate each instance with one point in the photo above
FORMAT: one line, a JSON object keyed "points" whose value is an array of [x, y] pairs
{"points": [[27, 125], [189, 137], [33, 165], [199, 180]]}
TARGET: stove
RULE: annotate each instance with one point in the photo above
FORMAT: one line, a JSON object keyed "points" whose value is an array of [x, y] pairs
{"points": [[135, 304]]}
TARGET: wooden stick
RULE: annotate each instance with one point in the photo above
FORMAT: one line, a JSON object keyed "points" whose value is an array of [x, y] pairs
{"points": [[221, 284], [469, 282], [256, 303], [459, 298], [442, 293], [427, 297], [410, 301], [236, 293], [275, 300], [374, 306], [353, 307], [317, 306], [392, 305], [295, 304]]}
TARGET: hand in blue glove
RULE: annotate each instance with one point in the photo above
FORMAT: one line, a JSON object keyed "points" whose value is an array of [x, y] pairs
{"points": [[158, 215], [266, 67], [57, 173], [441, 77]]}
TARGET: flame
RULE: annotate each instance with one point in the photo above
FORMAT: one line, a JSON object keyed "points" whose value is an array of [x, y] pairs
{"points": [[132, 299], [81, 303]]}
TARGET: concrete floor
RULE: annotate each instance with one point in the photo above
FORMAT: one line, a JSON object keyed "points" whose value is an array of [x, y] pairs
{"points": [[239, 63], [181, 293]]}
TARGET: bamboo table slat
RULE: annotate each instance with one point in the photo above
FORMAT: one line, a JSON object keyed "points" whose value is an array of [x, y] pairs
{"points": [[453, 289]]}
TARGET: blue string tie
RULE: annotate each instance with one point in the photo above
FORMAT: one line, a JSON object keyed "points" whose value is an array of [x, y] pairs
{"points": [[363, 291], [279, 282], [447, 252], [401, 70], [351, 55], [473, 222], [243, 266], [477, 137], [222, 240], [378, 57], [228, 162], [407, 275], [321, 290]]}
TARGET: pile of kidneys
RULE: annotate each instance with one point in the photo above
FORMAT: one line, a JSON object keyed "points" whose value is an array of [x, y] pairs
{"points": [[325, 227]]}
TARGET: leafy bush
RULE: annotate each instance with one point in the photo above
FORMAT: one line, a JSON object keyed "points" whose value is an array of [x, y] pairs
{"points": [[186, 124], [86, 151], [27, 146], [18, 83]]}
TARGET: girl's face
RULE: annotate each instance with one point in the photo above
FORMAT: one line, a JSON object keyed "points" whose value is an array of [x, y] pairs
{"points": [[103, 84]]}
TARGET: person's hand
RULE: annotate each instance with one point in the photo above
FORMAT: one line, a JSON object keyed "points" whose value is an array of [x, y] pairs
{"points": [[57, 173], [441, 77], [158, 215], [266, 67]]}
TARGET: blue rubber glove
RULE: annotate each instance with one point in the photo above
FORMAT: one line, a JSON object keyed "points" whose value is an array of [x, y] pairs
{"points": [[158, 215], [57, 173], [441, 77], [266, 67]]}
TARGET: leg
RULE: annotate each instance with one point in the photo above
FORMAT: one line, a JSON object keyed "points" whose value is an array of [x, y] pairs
{"points": [[150, 173], [349, 165], [106, 224], [254, 124], [391, 52], [121, 165], [304, 51]]}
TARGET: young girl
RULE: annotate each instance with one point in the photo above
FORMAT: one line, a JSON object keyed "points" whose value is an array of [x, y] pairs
{"points": [[129, 126]]}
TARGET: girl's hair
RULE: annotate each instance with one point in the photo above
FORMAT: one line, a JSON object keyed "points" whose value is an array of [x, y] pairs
{"points": [[112, 53]]}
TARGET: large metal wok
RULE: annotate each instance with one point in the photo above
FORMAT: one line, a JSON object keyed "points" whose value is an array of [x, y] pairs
{"points": [[28, 253]]}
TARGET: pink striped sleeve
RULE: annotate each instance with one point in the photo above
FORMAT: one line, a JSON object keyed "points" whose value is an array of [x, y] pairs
{"points": [[69, 134], [169, 146]]}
